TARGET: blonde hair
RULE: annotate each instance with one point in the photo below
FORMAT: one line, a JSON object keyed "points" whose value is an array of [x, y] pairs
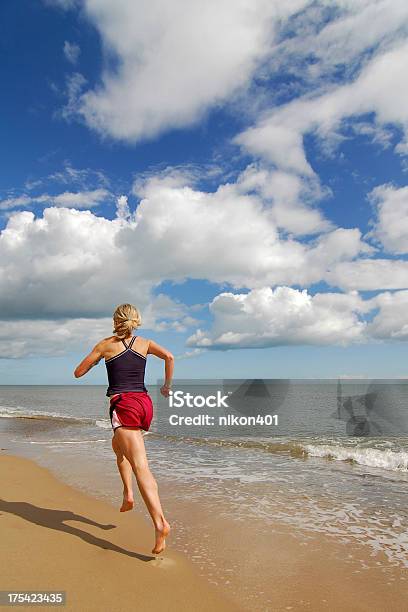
{"points": [[125, 319]]}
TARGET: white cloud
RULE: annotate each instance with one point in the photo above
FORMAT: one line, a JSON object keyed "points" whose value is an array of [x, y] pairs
{"points": [[283, 316], [343, 39], [369, 274], [156, 85], [378, 134], [29, 337], [175, 60], [227, 236], [162, 313], [122, 208], [391, 322], [57, 337], [75, 83], [391, 226], [15, 202], [71, 51], [278, 135], [79, 199], [66, 261], [290, 198], [266, 317], [85, 179]]}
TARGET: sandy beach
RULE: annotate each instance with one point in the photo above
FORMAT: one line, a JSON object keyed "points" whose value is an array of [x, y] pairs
{"points": [[56, 537]]}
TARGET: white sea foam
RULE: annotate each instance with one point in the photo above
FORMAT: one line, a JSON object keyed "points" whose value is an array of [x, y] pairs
{"points": [[371, 457], [103, 423]]}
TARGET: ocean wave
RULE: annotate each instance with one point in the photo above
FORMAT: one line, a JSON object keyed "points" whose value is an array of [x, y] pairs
{"points": [[58, 442], [20, 412], [25, 413], [295, 449], [370, 457], [383, 458]]}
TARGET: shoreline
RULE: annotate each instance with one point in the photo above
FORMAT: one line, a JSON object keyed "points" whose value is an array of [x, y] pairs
{"points": [[317, 574]]}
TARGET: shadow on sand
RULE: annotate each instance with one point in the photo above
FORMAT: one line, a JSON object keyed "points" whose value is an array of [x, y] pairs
{"points": [[54, 519]]}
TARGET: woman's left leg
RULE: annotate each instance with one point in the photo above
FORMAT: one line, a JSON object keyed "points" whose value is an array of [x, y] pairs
{"points": [[126, 473]]}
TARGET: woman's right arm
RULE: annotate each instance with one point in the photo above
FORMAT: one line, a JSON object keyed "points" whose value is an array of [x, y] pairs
{"points": [[90, 360], [162, 353]]}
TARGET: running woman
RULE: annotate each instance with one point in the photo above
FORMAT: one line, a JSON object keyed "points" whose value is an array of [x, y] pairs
{"points": [[131, 408]]}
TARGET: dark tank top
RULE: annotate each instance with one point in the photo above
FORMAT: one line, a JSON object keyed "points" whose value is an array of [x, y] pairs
{"points": [[126, 371]]}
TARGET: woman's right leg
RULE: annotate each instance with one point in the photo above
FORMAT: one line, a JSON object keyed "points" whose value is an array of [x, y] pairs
{"points": [[131, 443]]}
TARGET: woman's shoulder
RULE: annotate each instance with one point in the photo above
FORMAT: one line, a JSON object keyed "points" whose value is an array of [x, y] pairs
{"points": [[105, 342], [108, 339], [143, 342]]}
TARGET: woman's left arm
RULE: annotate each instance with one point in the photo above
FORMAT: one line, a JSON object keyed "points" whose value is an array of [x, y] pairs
{"points": [[90, 360]]}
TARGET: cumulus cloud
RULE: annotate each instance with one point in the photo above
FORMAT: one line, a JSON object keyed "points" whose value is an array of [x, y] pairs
{"points": [[66, 261], [270, 317], [391, 224], [227, 236], [71, 51], [174, 61]]}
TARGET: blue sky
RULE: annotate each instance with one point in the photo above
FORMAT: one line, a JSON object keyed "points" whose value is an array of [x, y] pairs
{"points": [[238, 172]]}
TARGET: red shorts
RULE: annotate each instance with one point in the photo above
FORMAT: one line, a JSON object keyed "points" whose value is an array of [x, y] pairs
{"points": [[131, 409]]}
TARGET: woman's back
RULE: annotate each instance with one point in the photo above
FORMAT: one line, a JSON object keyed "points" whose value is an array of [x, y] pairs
{"points": [[125, 365]]}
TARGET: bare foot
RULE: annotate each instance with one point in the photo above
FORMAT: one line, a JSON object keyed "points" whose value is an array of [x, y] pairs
{"points": [[127, 503], [161, 535]]}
